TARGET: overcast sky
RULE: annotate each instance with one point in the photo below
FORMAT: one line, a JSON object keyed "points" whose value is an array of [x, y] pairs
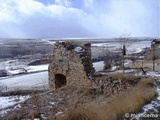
{"points": [[79, 18]]}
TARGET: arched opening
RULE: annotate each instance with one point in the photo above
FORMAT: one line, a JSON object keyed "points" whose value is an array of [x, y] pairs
{"points": [[60, 80]]}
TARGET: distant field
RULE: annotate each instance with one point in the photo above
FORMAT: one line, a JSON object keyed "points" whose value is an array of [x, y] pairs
{"points": [[19, 48]]}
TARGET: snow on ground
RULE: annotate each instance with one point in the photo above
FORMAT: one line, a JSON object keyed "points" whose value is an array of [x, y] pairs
{"points": [[2, 66], [14, 70], [153, 74], [58, 113], [134, 47], [128, 63], [98, 65], [138, 46], [114, 68], [14, 67], [78, 49], [37, 68], [11, 100], [118, 72], [49, 41], [100, 44], [154, 103], [26, 82]]}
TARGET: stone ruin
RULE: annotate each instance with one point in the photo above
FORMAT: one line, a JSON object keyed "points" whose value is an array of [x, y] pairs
{"points": [[71, 64]]}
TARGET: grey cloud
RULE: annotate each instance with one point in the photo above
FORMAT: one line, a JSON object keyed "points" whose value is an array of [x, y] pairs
{"points": [[103, 18]]}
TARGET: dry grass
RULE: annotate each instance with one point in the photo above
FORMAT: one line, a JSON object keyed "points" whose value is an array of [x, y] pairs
{"points": [[126, 102], [20, 92], [81, 114], [129, 102]]}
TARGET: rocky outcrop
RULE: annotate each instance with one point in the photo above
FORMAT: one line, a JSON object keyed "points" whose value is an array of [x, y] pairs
{"points": [[71, 64]]}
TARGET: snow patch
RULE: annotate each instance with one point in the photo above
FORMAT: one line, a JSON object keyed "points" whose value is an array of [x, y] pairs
{"points": [[78, 49], [58, 113], [11, 100], [114, 68], [153, 74], [98, 65], [37, 68], [52, 103], [100, 44]]}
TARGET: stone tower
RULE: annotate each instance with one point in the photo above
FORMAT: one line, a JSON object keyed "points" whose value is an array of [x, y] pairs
{"points": [[71, 64]]}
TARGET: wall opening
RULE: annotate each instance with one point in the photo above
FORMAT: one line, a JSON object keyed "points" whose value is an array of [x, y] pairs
{"points": [[60, 81]]}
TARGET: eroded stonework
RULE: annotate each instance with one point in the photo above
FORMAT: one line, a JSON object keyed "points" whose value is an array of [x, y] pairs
{"points": [[71, 64]]}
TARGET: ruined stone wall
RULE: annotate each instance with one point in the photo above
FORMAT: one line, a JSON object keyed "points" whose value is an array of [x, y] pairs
{"points": [[149, 53], [110, 84], [73, 60]]}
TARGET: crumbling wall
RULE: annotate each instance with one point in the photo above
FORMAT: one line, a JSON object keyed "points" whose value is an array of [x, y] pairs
{"points": [[71, 59], [149, 53], [111, 84]]}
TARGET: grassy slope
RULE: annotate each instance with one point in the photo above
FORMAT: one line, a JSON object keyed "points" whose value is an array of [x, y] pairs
{"points": [[126, 102]]}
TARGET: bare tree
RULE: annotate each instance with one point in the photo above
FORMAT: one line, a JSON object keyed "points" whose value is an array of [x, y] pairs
{"points": [[125, 43], [111, 58], [125, 40]]}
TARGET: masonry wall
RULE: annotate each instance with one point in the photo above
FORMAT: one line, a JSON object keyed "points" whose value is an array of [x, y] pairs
{"points": [[71, 59], [149, 54]]}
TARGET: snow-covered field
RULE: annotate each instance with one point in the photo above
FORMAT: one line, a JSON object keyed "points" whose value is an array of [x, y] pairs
{"points": [[26, 82], [133, 47], [26, 77], [14, 67]]}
